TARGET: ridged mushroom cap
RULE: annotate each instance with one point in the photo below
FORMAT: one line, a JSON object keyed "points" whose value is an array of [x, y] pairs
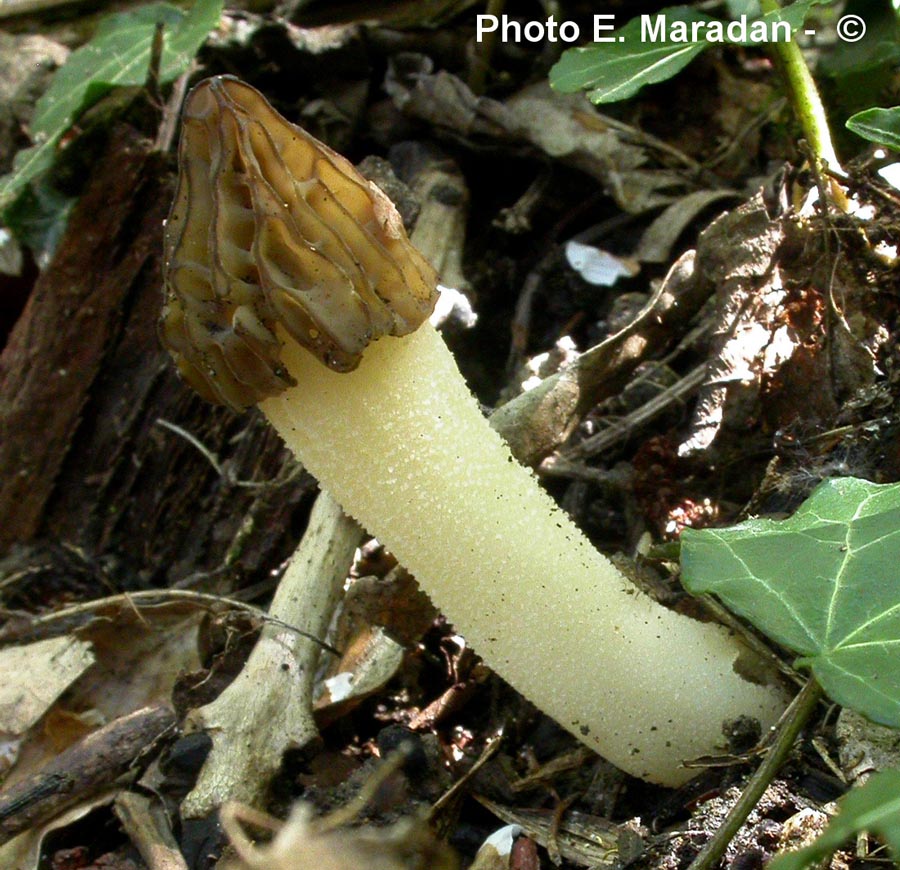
{"points": [[271, 228]]}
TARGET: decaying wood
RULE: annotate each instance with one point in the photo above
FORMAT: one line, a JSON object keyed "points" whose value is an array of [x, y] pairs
{"points": [[329, 843], [590, 841], [56, 350], [83, 384], [596, 444], [785, 298], [538, 421], [93, 764], [268, 708], [149, 828], [741, 257], [440, 230]]}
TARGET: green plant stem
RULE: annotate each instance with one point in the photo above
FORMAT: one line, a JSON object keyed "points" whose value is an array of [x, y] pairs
{"points": [[804, 96], [795, 717]]}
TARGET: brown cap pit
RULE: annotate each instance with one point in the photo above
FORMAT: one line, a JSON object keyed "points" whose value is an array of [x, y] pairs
{"points": [[271, 227]]}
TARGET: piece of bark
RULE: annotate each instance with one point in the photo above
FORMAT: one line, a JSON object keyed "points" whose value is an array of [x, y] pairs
{"points": [[267, 710], [538, 421], [440, 231], [795, 333], [56, 349], [739, 255], [83, 384], [83, 770], [149, 828]]}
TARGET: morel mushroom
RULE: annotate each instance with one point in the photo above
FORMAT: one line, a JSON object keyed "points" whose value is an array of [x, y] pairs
{"points": [[283, 267]]}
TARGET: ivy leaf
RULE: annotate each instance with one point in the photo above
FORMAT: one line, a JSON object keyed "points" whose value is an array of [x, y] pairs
{"points": [[822, 583], [874, 807], [118, 54], [881, 126]]}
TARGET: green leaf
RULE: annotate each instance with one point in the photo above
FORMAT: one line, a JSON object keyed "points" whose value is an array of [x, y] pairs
{"points": [[118, 54], [27, 164], [38, 219], [795, 14], [881, 126], [822, 583], [618, 70], [862, 72], [737, 8], [874, 807]]}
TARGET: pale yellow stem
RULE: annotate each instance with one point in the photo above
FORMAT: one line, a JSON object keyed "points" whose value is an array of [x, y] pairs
{"points": [[403, 446]]}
